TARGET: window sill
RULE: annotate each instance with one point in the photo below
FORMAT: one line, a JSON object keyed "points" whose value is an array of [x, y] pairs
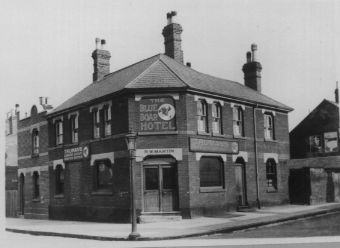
{"points": [[203, 133], [101, 193], [219, 135], [270, 140], [36, 200], [36, 155], [157, 133], [211, 189], [239, 137], [60, 196], [271, 190]]}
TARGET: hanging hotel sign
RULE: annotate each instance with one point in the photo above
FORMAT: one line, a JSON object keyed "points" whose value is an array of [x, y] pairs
{"points": [[157, 114], [214, 146], [76, 153]]}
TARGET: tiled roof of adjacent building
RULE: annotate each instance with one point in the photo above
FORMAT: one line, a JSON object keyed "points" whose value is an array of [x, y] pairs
{"points": [[161, 71]]}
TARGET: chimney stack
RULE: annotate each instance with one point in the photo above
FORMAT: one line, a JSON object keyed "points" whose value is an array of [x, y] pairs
{"points": [[101, 61], [252, 70], [172, 38], [336, 92]]}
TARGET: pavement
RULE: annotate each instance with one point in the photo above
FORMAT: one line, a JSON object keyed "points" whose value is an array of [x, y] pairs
{"points": [[223, 223]]}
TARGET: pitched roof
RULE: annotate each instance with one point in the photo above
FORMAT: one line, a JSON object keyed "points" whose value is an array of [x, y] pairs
{"points": [[161, 71]]}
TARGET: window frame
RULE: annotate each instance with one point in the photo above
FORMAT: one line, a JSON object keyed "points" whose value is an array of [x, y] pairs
{"points": [[202, 116], [59, 189], [107, 120], [269, 126], [216, 113], [59, 129], [74, 120], [218, 186], [238, 121], [97, 188], [96, 123], [35, 142], [271, 175]]}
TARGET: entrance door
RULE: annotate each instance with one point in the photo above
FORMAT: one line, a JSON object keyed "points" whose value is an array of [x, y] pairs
{"points": [[160, 188], [241, 187], [22, 194]]}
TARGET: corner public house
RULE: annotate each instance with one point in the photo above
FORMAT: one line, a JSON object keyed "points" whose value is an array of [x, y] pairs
{"points": [[204, 144]]}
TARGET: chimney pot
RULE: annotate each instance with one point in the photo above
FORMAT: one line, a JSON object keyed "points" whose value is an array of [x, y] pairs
{"points": [[336, 92], [253, 50], [97, 42], [41, 100], [248, 57]]}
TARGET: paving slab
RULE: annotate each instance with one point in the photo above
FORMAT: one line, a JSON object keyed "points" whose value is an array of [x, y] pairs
{"points": [[228, 222]]}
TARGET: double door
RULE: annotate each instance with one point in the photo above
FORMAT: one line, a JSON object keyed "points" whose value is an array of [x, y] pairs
{"points": [[160, 188]]}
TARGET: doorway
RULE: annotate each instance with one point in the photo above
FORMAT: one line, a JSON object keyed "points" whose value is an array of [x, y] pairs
{"points": [[160, 187], [22, 194], [241, 182]]}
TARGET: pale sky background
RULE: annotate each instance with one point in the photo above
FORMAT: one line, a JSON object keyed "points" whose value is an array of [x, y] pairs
{"points": [[46, 46]]}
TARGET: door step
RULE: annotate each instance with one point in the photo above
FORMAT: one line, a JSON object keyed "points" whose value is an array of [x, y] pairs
{"points": [[150, 217], [245, 208]]}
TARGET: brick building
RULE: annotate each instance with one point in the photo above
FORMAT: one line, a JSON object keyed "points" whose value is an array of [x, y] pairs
{"points": [[315, 164], [204, 144], [33, 163], [11, 161]]}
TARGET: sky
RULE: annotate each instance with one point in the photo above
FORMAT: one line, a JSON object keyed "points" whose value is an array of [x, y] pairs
{"points": [[46, 46]]}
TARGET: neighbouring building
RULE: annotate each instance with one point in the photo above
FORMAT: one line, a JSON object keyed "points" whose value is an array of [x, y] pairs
{"points": [[11, 161], [315, 165], [204, 144], [33, 163]]}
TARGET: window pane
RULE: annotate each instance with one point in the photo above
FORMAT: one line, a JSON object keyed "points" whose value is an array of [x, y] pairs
{"points": [[169, 178], [210, 172], [331, 142], [151, 179], [104, 173], [199, 108]]}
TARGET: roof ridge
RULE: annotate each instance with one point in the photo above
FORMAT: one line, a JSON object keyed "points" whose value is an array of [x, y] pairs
{"points": [[172, 72], [126, 67], [141, 74]]}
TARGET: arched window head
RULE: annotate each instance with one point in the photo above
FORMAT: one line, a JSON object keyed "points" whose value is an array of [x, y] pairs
{"points": [[217, 118], [202, 116], [271, 175], [238, 124]]}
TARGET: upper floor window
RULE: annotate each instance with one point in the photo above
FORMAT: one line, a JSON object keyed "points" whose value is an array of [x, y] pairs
{"points": [[35, 142], [331, 142], [314, 144], [238, 127], [96, 123], [217, 118], [59, 180], [36, 190], [103, 175], [59, 132], [107, 120], [268, 127], [271, 175], [74, 128], [202, 116]]}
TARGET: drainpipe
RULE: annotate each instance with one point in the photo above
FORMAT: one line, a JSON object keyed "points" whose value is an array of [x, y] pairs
{"points": [[256, 162]]}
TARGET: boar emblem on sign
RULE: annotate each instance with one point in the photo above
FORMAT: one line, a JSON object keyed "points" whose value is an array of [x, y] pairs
{"points": [[166, 112]]}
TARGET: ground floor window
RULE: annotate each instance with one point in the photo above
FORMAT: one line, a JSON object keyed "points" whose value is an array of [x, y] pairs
{"points": [[59, 180], [211, 172], [271, 174], [103, 175], [36, 190]]}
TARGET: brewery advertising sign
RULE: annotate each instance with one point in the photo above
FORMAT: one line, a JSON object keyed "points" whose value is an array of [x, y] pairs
{"points": [[157, 114], [76, 153], [214, 146]]}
